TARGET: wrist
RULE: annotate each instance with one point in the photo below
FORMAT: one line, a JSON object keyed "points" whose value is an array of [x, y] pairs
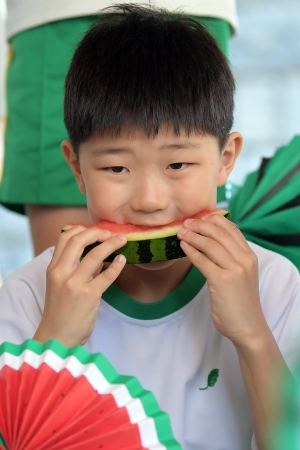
{"points": [[256, 342], [43, 335]]}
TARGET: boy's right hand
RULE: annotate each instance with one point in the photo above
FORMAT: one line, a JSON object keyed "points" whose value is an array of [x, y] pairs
{"points": [[73, 291]]}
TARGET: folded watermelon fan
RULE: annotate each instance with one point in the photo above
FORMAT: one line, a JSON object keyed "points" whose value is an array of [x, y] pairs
{"points": [[267, 207], [56, 398], [146, 244]]}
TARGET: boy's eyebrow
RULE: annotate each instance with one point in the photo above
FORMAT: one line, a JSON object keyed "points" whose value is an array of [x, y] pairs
{"points": [[109, 151], [117, 150], [180, 146]]}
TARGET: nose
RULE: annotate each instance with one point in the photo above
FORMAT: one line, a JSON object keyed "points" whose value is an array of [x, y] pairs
{"points": [[150, 193]]}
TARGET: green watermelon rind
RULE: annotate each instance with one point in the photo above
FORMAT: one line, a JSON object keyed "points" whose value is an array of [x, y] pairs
{"points": [[145, 251], [151, 408]]}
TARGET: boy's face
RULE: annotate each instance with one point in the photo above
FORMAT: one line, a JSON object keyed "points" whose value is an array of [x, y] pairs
{"points": [[151, 181]]}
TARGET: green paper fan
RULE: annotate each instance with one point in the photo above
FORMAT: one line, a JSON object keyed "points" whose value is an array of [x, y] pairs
{"points": [[58, 398], [267, 207]]}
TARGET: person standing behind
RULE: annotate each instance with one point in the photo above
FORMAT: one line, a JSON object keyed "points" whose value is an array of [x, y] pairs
{"points": [[43, 36]]}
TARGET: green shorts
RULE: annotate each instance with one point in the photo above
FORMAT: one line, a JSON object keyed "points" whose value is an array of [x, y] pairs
{"points": [[34, 169]]}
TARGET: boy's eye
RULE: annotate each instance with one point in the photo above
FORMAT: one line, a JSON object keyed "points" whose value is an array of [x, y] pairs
{"points": [[177, 166], [117, 169]]}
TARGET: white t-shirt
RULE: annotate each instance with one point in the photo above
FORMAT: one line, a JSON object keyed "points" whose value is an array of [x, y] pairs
{"points": [[24, 14], [172, 346]]}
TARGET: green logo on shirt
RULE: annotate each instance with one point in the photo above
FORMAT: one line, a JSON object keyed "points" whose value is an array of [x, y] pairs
{"points": [[211, 379]]}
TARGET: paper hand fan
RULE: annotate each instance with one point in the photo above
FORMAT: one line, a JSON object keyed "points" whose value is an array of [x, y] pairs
{"points": [[58, 398], [267, 207]]}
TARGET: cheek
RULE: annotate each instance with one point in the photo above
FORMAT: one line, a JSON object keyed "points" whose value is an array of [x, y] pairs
{"points": [[197, 194], [105, 200]]}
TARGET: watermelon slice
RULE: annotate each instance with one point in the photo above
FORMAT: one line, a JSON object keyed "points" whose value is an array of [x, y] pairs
{"points": [[147, 244], [58, 398]]}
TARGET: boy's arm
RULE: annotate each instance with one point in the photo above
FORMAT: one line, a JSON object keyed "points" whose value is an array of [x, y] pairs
{"points": [[266, 376], [231, 269], [73, 291]]}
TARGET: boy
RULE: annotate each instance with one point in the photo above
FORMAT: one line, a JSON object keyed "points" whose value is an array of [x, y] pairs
{"points": [[149, 109]]}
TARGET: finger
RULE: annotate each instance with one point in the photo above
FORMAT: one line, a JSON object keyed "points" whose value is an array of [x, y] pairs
{"points": [[201, 261], [94, 259], [228, 236], [63, 240], [97, 271], [72, 243], [109, 275], [209, 247], [229, 226]]}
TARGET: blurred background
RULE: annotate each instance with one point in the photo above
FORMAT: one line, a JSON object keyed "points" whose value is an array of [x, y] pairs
{"points": [[265, 58]]}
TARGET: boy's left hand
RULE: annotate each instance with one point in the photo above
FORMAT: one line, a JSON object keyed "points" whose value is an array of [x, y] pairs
{"points": [[231, 270]]}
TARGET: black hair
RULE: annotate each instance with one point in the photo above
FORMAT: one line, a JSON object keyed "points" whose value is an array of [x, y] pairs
{"points": [[140, 68]]}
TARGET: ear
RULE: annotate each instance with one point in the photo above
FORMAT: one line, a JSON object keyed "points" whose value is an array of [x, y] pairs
{"points": [[229, 154], [73, 161]]}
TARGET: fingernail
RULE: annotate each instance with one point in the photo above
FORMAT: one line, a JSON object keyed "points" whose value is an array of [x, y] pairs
{"points": [[189, 221], [120, 258], [184, 244], [182, 232], [121, 237], [205, 217], [106, 231]]}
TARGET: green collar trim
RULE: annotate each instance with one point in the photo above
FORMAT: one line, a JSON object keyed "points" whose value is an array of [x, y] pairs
{"points": [[174, 301]]}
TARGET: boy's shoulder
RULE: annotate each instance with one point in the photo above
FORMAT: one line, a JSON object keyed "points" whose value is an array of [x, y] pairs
{"points": [[34, 271], [279, 278], [279, 285], [22, 297], [269, 263], [30, 278]]}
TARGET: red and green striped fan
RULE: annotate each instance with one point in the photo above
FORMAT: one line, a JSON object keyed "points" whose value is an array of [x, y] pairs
{"points": [[58, 398]]}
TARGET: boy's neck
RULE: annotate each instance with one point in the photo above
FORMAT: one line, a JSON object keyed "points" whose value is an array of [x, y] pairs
{"points": [[149, 286]]}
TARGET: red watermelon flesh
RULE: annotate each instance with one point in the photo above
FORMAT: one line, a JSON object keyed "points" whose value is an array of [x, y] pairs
{"points": [[140, 232]]}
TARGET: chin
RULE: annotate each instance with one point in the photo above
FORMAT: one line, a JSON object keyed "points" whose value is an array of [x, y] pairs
{"points": [[157, 265]]}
